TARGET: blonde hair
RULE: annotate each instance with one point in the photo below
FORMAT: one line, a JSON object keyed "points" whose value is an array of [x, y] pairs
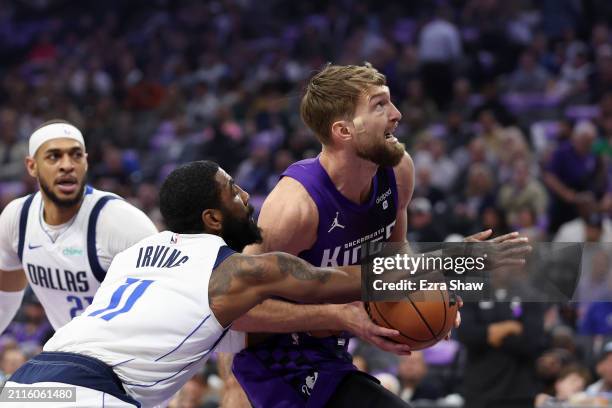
{"points": [[333, 93]]}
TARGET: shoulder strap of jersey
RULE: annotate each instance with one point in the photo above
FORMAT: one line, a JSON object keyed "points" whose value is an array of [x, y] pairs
{"points": [[92, 254], [23, 223], [390, 178], [223, 253]]}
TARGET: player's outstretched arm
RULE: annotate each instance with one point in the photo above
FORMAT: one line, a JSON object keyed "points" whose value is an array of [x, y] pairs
{"points": [[242, 281]]}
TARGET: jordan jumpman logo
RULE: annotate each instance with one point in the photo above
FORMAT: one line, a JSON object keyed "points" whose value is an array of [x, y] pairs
{"points": [[335, 223]]}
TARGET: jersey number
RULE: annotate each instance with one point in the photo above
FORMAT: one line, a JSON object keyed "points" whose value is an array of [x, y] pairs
{"points": [[78, 304], [117, 297]]}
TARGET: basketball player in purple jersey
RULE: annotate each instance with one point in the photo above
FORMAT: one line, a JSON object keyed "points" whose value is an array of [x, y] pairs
{"points": [[357, 190]]}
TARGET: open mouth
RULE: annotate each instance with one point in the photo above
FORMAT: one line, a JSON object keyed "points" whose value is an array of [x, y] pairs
{"points": [[67, 185], [389, 137]]}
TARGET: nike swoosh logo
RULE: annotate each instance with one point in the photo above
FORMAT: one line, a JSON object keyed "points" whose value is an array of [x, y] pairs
{"points": [[30, 246]]}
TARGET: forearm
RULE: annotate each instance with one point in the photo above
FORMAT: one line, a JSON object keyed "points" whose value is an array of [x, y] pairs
{"points": [[276, 316], [9, 304], [298, 281]]}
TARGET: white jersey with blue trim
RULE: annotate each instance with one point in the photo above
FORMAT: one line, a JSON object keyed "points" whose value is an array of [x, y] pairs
{"points": [[64, 264], [150, 319]]}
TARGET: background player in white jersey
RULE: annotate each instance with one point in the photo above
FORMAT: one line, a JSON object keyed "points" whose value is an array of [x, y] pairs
{"points": [[62, 239], [167, 302]]}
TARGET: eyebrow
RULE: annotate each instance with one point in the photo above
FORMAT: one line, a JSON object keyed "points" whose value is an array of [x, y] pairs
{"points": [[69, 150], [376, 95]]}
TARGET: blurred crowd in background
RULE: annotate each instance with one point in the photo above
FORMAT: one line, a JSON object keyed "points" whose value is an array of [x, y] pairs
{"points": [[507, 113]]}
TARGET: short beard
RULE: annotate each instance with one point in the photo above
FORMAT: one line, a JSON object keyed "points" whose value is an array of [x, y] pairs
{"points": [[66, 203], [238, 233], [382, 154]]}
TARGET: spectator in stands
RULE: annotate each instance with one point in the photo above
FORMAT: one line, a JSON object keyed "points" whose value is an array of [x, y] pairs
{"points": [[439, 50], [283, 159], [548, 367], [590, 226], [416, 98], [255, 171], [462, 98], [529, 77], [573, 83], [571, 381], [422, 227], [458, 133], [502, 339], [515, 148], [491, 132], [523, 191], [595, 293], [596, 281], [10, 360], [412, 371], [570, 174], [12, 148], [526, 222], [604, 371], [495, 219], [478, 194], [492, 102], [434, 155], [424, 188]]}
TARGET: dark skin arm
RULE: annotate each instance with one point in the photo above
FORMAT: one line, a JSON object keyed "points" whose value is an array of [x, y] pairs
{"points": [[243, 281]]}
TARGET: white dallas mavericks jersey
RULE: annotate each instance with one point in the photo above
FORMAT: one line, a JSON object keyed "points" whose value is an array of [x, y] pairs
{"points": [[63, 273], [150, 320]]}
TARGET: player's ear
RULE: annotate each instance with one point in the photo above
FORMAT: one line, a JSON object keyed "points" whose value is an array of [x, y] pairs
{"points": [[342, 130], [213, 220], [30, 164]]}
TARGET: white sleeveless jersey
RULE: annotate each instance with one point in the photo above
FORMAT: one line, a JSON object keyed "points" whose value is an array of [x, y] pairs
{"points": [[150, 319], [64, 273]]}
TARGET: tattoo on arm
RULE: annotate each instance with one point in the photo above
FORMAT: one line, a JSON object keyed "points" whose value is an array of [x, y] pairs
{"points": [[301, 270], [246, 268], [255, 271]]}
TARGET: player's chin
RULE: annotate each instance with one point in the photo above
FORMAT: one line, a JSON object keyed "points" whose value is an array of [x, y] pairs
{"points": [[68, 196], [395, 153]]}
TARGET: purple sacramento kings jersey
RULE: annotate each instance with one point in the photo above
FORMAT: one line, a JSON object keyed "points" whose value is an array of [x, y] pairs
{"points": [[298, 370]]}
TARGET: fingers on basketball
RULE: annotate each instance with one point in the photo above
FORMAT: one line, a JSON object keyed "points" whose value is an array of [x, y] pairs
{"points": [[425, 318]]}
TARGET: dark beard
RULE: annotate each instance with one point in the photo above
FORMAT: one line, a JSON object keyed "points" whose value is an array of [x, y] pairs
{"points": [[382, 154], [239, 233], [67, 203]]}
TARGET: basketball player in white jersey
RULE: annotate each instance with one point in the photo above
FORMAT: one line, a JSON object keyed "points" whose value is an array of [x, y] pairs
{"points": [[62, 239], [168, 302]]}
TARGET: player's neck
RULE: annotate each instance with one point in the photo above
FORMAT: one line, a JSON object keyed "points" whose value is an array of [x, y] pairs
{"points": [[54, 215], [351, 175]]}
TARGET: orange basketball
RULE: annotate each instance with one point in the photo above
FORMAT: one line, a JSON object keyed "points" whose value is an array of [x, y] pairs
{"points": [[423, 319]]}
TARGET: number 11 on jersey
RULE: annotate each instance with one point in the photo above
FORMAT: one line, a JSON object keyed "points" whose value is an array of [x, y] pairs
{"points": [[112, 310]]}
